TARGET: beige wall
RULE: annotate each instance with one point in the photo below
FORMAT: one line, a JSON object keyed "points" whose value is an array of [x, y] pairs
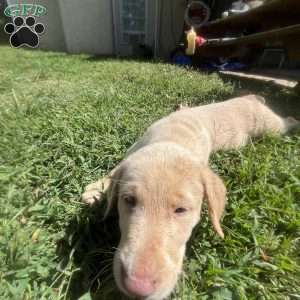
{"points": [[53, 37], [171, 25], [88, 26], [76, 26]]}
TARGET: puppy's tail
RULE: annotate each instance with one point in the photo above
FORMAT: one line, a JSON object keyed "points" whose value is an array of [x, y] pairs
{"points": [[269, 121], [289, 124]]}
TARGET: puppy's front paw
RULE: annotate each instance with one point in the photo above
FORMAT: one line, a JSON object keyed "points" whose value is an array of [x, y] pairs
{"points": [[93, 192], [90, 197]]}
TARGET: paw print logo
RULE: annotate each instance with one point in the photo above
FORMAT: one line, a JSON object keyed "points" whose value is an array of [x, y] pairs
{"points": [[24, 32]]}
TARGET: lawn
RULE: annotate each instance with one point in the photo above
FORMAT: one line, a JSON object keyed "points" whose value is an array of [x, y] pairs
{"points": [[66, 120]]}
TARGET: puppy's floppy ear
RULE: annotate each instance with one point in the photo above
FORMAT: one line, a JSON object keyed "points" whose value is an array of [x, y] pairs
{"points": [[113, 189], [215, 195]]}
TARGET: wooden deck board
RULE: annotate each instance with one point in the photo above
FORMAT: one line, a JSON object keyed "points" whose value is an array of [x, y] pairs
{"points": [[284, 81]]}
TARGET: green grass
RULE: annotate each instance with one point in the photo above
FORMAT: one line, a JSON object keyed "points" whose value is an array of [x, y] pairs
{"points": [[66, 120]]}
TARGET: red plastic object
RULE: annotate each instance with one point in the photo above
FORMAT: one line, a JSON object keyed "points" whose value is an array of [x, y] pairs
{"points": [[200, 40]]}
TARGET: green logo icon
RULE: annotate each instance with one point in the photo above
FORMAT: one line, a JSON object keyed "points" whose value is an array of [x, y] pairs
{"points": [[16, 10]]}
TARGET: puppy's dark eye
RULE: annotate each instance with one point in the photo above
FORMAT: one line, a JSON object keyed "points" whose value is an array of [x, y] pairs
{"points": [[130, 201], [180, 210]]}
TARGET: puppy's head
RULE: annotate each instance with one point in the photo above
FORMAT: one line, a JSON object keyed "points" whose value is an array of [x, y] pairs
{"points": [[159, 201]]}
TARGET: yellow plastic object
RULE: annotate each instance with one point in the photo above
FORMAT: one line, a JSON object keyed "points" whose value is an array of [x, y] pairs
{"points": [[191, 40]]}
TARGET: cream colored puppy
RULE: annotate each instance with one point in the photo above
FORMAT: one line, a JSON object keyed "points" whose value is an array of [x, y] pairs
{"points": [[160, 185]]}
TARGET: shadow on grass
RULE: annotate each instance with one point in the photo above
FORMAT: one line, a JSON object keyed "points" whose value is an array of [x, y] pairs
{"points": [[284, 101], [102, 58], [143, 53], [95, 58], [90, 243]]}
